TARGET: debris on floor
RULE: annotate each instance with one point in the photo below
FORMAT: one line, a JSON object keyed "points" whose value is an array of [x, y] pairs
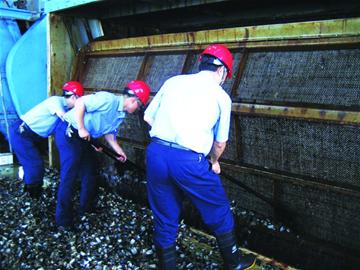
{"points": [[119, 237]]}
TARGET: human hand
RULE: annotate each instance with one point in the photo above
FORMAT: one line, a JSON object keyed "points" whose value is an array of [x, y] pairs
{"points": [[215, 167], [97, 149], [84, 134], [122, 157]]}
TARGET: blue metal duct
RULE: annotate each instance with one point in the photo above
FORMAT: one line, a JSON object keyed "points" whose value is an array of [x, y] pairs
{"points": [[26, 68], [9, 35]]}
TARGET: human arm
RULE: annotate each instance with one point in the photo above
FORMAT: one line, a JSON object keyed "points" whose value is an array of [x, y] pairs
{"points": [[111, 140], [56, 106], [151, 110], [79, 118], [148, 120], [215, 153], [60, 114], [221, 132]]}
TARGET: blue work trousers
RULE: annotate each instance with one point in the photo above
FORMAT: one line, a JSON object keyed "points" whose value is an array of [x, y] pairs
{"points": [[77, 159], [25, 144], [172, 173]]}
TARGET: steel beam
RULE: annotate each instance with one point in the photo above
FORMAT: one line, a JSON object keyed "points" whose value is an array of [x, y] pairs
{"points": [[341, 117], [333, 31], [18, 14], [56, 5]]}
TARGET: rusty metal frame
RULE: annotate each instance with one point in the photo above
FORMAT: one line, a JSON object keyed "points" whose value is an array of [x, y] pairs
{"points": [[340, 33], [341, 117], [292, 36], [337, 31], [60, 57], [274, 177], [303, 35]]}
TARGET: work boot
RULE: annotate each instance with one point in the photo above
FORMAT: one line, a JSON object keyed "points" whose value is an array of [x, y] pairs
{"points": [[167, 258], [34, 190], [232, 256]]}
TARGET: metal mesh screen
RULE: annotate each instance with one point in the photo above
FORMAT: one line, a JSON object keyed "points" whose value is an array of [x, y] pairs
{"points": [[322, 213], [325, 214], [245, 199], [132, 129], [162, 68], [314, 77], [193, 64], [111, 72], [321, 150], [231, 148]]}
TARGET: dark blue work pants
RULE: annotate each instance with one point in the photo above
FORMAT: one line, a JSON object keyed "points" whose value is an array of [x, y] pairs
{"points": [[77, 158], [25, 144], [173, 172]]}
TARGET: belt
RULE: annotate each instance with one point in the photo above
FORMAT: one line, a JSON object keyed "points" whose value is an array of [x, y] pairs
{"points": [[169, 144]]}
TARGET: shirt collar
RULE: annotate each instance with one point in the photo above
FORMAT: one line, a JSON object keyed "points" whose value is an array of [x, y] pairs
{"points": [[64, 103], [209, 75]]}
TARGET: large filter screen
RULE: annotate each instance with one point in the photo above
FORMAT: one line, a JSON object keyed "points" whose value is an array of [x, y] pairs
{"points": [[321, 150], [328, 77], [111, 72], [162, 67]]}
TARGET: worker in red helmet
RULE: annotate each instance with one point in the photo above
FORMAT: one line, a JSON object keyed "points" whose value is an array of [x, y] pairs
{"points": [[93, 116], [73, 88], [190, 120], [36, 125], [139, 89]]}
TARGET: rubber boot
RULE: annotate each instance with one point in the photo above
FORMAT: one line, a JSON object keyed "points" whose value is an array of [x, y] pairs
{"points": [[167, 258], [34, 190], [232, 256]]}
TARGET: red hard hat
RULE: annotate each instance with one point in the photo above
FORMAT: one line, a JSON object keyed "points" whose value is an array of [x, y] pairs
{"points": [[222, 53], [74, 87], [141, 90]]}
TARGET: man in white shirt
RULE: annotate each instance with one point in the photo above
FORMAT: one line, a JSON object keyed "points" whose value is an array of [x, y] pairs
{"points": [[190, 119]]}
